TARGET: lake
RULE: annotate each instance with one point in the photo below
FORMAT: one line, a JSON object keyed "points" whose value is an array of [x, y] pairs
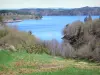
{"points": [[49, 27]]}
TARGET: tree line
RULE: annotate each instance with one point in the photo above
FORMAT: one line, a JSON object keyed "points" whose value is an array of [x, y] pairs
{"points": [[69, 12]]}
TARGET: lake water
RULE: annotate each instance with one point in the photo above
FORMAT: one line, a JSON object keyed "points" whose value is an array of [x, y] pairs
{"points": [[49, 27]]}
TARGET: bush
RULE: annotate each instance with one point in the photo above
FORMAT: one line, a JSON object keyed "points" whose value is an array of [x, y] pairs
{"points": [[3, 33], [54, 47], [20, 41], [84, 38], [37, 48]]}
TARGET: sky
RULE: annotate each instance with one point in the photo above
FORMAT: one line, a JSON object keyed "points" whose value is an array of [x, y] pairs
{"points": [[16, 4]]}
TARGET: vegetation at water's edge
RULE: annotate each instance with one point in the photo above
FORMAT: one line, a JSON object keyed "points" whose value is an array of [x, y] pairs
{"points": [[18, 15], [81, 40]]}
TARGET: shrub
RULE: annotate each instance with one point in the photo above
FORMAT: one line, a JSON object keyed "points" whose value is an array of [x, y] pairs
{"points": [[54, 47], [3, 33], [83, 38], [10, 36], [36, 48]]}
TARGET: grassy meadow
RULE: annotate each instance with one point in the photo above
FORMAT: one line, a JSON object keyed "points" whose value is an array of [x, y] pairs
{"points": [[23, 63]]}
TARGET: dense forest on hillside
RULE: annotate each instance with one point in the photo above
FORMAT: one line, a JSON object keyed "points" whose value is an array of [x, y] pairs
{"points": [[61, 11], [37, 13]]}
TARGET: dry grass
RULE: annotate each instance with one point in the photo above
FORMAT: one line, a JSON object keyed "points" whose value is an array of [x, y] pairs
{"points": [[22, 67]]}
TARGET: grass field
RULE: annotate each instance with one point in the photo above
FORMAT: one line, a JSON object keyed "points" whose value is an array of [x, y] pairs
{"points": [[22, 63]]}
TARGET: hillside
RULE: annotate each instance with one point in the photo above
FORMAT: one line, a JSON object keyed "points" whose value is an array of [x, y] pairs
{"points": [[61, 11], [13, 40], [22, 63]]}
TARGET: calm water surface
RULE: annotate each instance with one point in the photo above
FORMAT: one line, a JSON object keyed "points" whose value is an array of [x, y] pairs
{"points": [[49, 27]]}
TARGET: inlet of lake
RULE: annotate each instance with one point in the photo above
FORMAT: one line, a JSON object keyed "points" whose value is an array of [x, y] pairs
{"points": [[49, 27]]}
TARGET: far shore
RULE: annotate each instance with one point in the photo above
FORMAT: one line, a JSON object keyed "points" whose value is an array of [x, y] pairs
{"points": [[11, 21]]}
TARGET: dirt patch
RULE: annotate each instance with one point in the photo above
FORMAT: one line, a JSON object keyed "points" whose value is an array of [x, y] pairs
{"points": [[23, 67]]}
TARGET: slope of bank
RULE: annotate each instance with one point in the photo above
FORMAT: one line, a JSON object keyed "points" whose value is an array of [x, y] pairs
{"points": [[24, 63]]}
